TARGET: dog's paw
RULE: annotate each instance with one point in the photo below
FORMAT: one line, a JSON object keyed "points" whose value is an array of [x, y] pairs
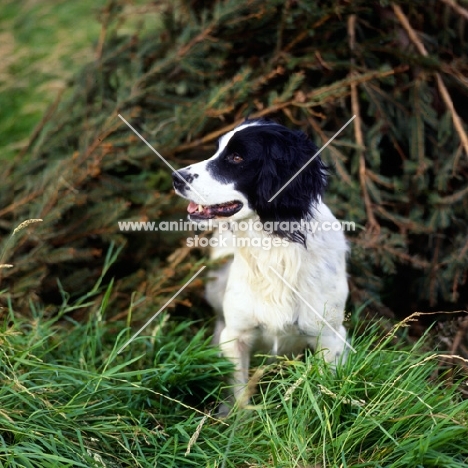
{"points": [[223, 411]]}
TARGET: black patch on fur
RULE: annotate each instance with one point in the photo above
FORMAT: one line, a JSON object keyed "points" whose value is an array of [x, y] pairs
{"points": [[272, 154]]}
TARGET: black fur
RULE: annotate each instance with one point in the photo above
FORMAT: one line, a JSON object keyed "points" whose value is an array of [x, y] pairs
{"points": [[271, 155]]}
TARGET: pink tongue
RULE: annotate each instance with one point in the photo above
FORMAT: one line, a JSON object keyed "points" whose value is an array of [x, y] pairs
{"points": [[192, 207]]}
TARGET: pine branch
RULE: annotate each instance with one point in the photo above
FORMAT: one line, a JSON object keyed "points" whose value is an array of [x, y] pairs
{"points": [[442, 88], [373, 226]]}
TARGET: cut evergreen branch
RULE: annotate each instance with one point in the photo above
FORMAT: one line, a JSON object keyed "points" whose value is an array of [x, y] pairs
{"points": [[199, 72]]}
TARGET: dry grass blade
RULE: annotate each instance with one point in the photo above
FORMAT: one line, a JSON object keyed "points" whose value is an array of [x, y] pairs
{"points": [[9, 241], [195, 435], [25, 224]]}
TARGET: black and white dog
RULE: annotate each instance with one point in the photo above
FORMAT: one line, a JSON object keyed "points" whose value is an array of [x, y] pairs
{"points": [[292, 294]]}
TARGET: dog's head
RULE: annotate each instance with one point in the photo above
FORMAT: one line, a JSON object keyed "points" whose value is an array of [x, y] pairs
{"points": [[260, 168]]}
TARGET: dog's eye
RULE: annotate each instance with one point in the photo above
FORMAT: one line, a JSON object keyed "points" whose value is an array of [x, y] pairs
{"points": [[234, 158]]}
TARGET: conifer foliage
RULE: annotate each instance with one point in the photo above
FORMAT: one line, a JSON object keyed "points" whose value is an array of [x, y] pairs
{"points": [[183, 73]]}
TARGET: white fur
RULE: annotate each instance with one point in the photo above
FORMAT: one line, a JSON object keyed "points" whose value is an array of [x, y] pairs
{"points": [[273, 300], [260, 311]]}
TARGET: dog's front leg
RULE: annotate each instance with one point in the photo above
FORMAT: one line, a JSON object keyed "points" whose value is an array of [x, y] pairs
{"points": [[332, 345], [236, 346]]}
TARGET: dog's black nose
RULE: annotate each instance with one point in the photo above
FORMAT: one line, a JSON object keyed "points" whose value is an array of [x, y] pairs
{"points": [[180, 179]]}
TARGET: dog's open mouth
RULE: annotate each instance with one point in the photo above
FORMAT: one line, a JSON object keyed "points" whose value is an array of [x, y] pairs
{"points": [[224, 210]]}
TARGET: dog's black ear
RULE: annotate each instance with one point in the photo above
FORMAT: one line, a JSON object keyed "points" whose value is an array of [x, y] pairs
{"points": [[290, 181]]}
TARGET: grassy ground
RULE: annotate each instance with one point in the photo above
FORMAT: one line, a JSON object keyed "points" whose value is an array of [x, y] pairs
{"points": [[68, 399], [42, 43]]}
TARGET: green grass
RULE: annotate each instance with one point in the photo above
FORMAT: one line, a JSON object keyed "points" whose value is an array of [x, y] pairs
{"points": [[42, 45], [67, 399]]}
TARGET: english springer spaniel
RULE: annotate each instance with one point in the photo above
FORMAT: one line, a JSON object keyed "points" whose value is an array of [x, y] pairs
{"points": [[284, 286]]}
